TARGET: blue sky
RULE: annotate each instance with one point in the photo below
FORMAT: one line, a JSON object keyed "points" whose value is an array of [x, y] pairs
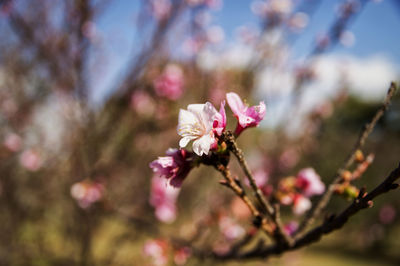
{"points": [[376, 30]]}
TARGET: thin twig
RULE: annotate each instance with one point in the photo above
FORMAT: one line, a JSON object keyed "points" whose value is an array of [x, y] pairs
{"points": [[321, 204], [280, 234], [234, 185], [334, 223]]}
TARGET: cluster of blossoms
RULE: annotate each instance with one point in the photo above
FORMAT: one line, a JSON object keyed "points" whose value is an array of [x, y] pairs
{"points": [[87, 192], [202, 125], [296, 191], [30, 159]]}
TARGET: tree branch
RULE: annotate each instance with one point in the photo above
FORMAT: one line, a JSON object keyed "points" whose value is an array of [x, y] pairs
{"points": [[321, 204]]}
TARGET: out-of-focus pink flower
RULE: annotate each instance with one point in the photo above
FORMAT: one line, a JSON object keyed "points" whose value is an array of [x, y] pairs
{"points": [[309, 182], [324, 109], [170, 83], [13, 142], [160, 9], [219, 124], [260, 176], [246, 116], [87, 192], [197, 124], [157, 249], [142, 103], [272, 8], [163, 199], [288, 159], [181, 256], [230, 229], [193, 45], [387, 214], [298, 21], [31, 160], [347, 38], [213, 4], [291, 227], [301, 204], [174, 167], [215, 34]]}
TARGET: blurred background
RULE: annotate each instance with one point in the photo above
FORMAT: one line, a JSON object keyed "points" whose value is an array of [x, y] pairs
{"points": [[90, 92]]}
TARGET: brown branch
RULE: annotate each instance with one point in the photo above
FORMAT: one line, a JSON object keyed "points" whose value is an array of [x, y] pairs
{"points": [[321, 204], [279, 233], [259, 221], [333, 223]]}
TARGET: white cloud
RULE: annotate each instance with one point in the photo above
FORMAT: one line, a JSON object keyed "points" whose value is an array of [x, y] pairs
{"points": [[367, 78]]}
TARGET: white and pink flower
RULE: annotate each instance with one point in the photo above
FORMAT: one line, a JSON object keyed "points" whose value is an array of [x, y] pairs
{"points": [[157, 249], [197, 124], [246, 116], [301, 204], [309, 182], [174, 167]]}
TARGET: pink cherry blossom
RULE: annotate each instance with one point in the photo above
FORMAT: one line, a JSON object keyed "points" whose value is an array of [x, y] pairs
{"points": [[13, 142], [197, 124], [174, 167], [87, 192], [230, 229], [163, 199], [291, 227], [142, 103], [170, 83], [309, 182], [157, 249], [182, 255], [301, 204], [219, 124], [31, 160], [246, 116]]}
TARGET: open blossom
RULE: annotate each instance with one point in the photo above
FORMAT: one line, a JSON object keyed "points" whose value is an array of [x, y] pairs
{"points": [[246, 116], [309, 182], [163, 198], [174, 167], [170, 83], [197, 124], [301, 204]]}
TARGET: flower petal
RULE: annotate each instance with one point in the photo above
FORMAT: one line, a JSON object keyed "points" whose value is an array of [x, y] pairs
{"points": [[202, 145], [184, 141], [235, 103]]}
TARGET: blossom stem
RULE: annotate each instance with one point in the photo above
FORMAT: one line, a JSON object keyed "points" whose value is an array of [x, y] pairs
{"points": [[273, 213], [239, 191]]}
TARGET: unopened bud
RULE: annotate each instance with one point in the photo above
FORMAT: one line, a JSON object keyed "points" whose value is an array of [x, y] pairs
{"points": [[351, 192], [347, 175], [359, 156]]}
